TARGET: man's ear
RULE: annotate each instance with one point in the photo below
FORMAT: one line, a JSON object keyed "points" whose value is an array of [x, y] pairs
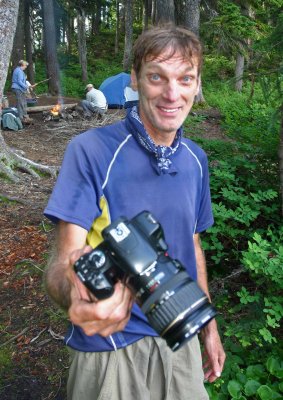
{"points": [[134, 81]]}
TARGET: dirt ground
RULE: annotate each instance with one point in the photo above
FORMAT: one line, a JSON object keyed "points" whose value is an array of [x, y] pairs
{"points": [[33, 358]]}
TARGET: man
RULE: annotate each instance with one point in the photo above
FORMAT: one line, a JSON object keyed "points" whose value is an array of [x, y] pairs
{"points": [[140, 163], [20, 88], [131, 97], [95, 102]]}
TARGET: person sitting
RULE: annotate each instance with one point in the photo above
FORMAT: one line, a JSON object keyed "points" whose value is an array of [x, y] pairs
{"points": [[131, 96], [95, 102], [20, 87]]}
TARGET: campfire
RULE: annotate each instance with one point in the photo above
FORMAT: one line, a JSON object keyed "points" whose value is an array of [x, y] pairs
{"points": [[55, 112]]}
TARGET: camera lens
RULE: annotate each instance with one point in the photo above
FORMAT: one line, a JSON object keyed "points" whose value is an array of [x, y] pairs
{"points": [[177, 309]]}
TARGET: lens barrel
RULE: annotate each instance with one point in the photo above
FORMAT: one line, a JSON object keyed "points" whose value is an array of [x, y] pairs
{"points": [[179, 313]]}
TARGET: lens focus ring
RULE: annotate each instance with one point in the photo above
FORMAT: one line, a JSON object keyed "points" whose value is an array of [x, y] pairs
{"points": [[182, 301]]}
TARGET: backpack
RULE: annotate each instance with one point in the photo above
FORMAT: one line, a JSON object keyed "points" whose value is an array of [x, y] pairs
{"points": [[10, 121]]}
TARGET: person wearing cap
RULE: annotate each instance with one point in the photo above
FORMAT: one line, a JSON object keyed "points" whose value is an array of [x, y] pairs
{"points": [[20, 87], [95, 102]]}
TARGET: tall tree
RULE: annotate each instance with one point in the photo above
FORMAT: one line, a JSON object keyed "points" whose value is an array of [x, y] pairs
{"points": [[28, 41], [50, 47], [96, 20], [192, 15], [117, 31], [9, 13], [18, 45], [82, 42], [192, 22], [146, 13], [165, 11], [128, 34]]}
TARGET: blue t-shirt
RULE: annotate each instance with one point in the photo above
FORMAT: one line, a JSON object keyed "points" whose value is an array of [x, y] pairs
{"points": [[106, 174]]}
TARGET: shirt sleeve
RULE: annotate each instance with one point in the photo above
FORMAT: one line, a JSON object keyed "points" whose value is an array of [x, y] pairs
{"points": [[205, 215], [75, 197]]}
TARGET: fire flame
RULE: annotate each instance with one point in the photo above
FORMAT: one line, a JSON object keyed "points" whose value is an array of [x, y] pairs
{"points": [[55, 110]]}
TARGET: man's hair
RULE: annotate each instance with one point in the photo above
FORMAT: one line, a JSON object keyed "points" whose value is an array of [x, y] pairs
{"points": [[151, 43], [22, 62], [88, 86]]}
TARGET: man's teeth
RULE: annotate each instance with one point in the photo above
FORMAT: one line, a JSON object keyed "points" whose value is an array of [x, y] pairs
{"points": [[169, 110]]}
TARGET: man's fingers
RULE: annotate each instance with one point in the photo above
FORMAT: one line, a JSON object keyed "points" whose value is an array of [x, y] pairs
{"points": [[75, 255]]}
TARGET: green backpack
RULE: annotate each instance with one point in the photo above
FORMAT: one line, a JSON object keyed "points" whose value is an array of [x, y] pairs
{"points": [[11, 121]]}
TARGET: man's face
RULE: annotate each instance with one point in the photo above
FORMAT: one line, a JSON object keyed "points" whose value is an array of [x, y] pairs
{"points": [[167, 89]]}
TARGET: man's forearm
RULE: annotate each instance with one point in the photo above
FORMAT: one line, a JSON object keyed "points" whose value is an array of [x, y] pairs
{"points": [[201, 266], [57, 284]]}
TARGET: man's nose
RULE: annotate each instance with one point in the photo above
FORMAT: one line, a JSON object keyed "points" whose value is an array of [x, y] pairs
{"points": [[172, 91]]}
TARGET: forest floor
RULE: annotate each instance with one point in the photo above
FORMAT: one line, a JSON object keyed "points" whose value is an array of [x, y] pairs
{"points": [[33, 358]]}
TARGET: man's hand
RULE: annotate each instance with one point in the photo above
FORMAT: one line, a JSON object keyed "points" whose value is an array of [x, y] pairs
{"points": [[213, 354], [105, 316]]}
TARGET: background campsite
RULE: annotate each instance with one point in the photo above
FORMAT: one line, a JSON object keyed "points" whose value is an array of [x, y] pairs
{"points": [[238, 120]]}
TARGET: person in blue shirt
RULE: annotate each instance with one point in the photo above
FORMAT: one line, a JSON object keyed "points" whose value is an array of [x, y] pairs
{"points": [[20, 87], [141, 163]]}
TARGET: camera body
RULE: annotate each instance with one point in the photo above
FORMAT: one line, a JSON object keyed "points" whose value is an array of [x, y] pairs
{"points": [[135, 251]]}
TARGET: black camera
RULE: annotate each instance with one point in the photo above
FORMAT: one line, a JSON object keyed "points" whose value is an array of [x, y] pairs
{"points": [[135, 252]]}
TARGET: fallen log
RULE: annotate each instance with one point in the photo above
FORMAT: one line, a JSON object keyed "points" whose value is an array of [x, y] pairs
{"points": [[47, 108]]}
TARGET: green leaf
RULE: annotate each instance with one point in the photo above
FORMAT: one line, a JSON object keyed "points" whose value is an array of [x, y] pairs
{"points": [[234, 388], [265, 393], [256, 371], [275, 367], [251, 387]]}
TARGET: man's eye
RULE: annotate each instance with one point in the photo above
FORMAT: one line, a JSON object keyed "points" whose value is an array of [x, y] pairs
{"points": [[187, 78], [155, 77]]}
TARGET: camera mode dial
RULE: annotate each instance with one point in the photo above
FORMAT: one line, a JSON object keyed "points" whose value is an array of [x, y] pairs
{"points": [[97, 258]]}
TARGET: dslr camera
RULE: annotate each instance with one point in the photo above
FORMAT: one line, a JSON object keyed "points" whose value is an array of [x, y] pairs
{"points": [[135, 252]]}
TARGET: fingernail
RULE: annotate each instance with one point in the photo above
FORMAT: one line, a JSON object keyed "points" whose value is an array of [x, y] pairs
{"points": [[218, 374]]}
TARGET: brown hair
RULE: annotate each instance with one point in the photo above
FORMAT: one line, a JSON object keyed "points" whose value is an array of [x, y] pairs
{"points": [[151, 43]]}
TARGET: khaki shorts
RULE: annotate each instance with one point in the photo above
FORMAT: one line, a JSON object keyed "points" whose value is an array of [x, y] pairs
{"points": [[145, 370]]}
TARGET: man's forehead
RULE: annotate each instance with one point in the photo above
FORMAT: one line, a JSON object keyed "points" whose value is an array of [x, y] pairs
{"points": [[166, 58]]}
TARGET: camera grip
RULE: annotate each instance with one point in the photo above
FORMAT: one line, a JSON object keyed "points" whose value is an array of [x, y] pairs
{"points": [[93, 279]]}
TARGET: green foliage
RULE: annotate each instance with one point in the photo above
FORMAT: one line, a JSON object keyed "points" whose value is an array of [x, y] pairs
{"points": [[5, 363], [217, 67], [245, 244], [228, 28], [258, 381], [251, 122]]}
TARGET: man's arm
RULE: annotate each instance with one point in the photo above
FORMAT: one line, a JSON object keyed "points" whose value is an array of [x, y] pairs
{"points": [[66, 289], [214, 355]]}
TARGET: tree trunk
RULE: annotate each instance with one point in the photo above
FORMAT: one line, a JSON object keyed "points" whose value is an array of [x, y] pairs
{"points": [[240, 58], [192, 15], [128, 34], [281, 159], [70, 32], [192, 21], [28, 42], [165, 11], [146, 13], [153, 11], [18, 46], [179, 12], [50, 47], [239, 71], [82, 43], [97, 18], [117, 33], [8, 22]]}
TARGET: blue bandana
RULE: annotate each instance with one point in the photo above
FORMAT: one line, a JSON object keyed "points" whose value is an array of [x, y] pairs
{"points": [[161, 161]]}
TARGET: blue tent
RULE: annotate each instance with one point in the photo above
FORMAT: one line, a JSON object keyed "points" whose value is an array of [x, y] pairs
{"points": [[113, 89]]}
